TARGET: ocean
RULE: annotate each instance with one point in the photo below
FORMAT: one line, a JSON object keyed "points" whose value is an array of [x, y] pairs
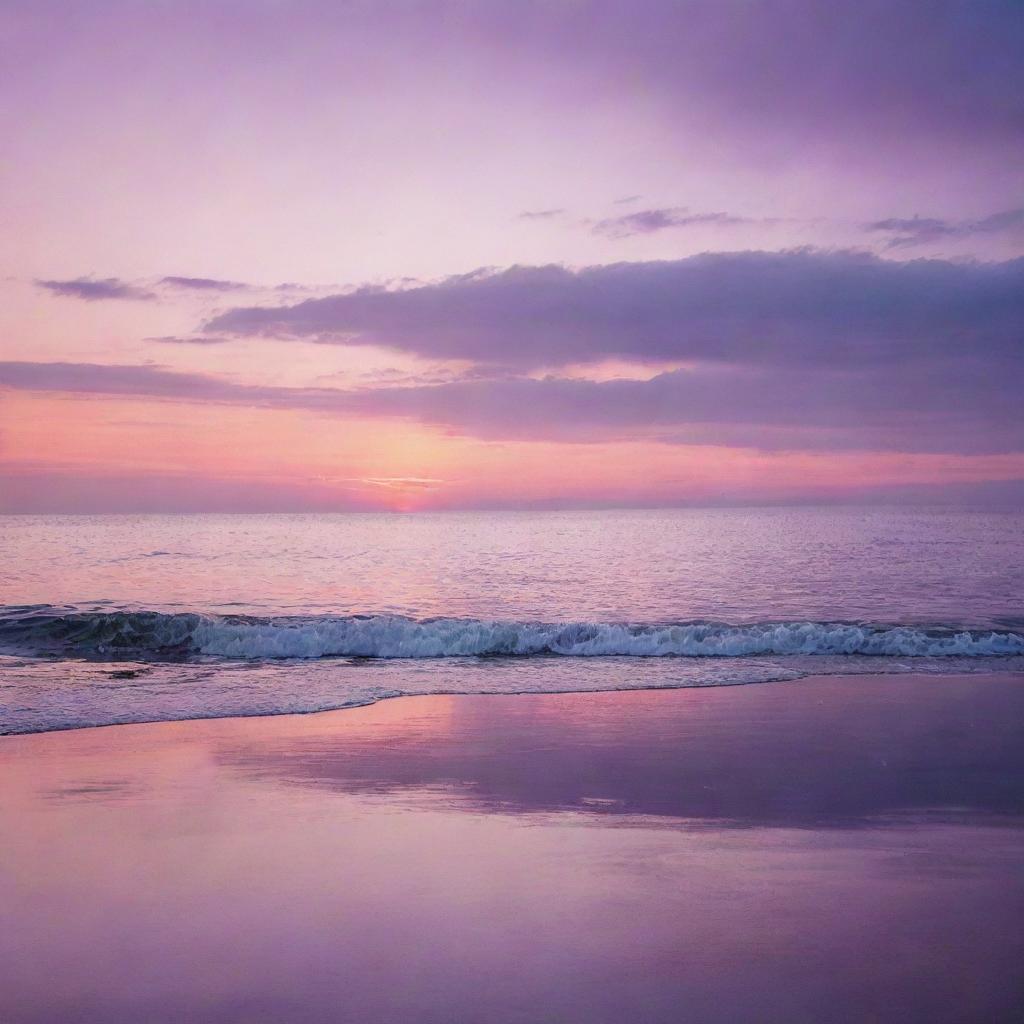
{"points": [[136, 618]]}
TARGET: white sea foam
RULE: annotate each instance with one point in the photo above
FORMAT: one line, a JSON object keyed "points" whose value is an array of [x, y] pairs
{"points": [[159, 634], [398, 637]]}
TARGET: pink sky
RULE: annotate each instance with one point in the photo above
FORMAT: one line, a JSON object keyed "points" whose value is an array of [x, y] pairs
{"points": [[241, 264]]}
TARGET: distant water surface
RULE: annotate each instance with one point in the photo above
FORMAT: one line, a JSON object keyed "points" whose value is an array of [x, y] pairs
{"points": [[736, 565]]}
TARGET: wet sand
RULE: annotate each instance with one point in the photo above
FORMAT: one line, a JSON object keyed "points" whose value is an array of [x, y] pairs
{"points": [[842, 849]]}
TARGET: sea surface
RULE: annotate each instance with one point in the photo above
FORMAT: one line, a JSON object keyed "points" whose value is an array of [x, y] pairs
{"points": [[112, 619]]}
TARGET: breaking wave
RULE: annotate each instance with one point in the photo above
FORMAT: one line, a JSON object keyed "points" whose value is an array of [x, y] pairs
{"points": [[157, 635]]}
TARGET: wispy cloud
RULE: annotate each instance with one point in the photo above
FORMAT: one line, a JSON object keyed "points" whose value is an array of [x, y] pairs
{"points": [[203, 284], [92, 289], [541, 214], [907, 231], [646, 222]]}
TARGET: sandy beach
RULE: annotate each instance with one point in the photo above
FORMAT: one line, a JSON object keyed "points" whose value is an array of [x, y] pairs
{"points": [[829, 849]]}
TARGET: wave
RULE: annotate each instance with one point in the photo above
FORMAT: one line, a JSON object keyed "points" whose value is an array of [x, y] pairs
{"points": [[159, 635]]}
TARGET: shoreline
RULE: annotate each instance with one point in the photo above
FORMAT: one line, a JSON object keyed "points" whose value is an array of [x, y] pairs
{"points": [[804, 677]]}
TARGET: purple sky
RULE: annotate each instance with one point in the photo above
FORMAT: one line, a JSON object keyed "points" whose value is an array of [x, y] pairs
{"points": [[697, 250]]}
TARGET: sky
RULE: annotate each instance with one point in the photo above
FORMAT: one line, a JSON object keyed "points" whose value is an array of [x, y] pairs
{"points": [[288, 255]]}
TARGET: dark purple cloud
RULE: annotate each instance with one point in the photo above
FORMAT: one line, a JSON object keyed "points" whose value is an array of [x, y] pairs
{"points": [[789, 309], [646, 222], [919, 230], [203, 284], [96, 289], [966, 409], [969, 405]]}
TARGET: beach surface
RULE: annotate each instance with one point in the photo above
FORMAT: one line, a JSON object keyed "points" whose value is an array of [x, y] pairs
{"points": [[847, 848]]}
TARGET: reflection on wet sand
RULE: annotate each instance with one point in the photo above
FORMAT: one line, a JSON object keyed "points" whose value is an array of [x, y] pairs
{"points": [[824, 850], [828, 752]]}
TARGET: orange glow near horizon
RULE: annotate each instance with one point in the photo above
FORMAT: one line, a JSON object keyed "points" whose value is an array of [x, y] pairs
{"points": [[306, 460]]}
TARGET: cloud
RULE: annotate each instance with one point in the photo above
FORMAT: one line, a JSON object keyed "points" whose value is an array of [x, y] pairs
{"points": [[789, 309], [626, 199], [93, 289], [96, 289], [203, 284], [646, 222], [967, 409], [906, 231], [125, 380], [803, 350], [541, 214], [968, 405]]}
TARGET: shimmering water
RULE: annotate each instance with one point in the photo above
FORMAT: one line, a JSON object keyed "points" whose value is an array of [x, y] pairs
{"points": [[132, 618]]}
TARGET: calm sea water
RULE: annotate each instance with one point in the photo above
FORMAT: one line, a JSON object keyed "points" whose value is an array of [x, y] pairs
{"points": [[132, 618]]}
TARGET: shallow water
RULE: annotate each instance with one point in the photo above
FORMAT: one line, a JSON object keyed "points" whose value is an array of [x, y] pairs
{"points": [[134, 618]]}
